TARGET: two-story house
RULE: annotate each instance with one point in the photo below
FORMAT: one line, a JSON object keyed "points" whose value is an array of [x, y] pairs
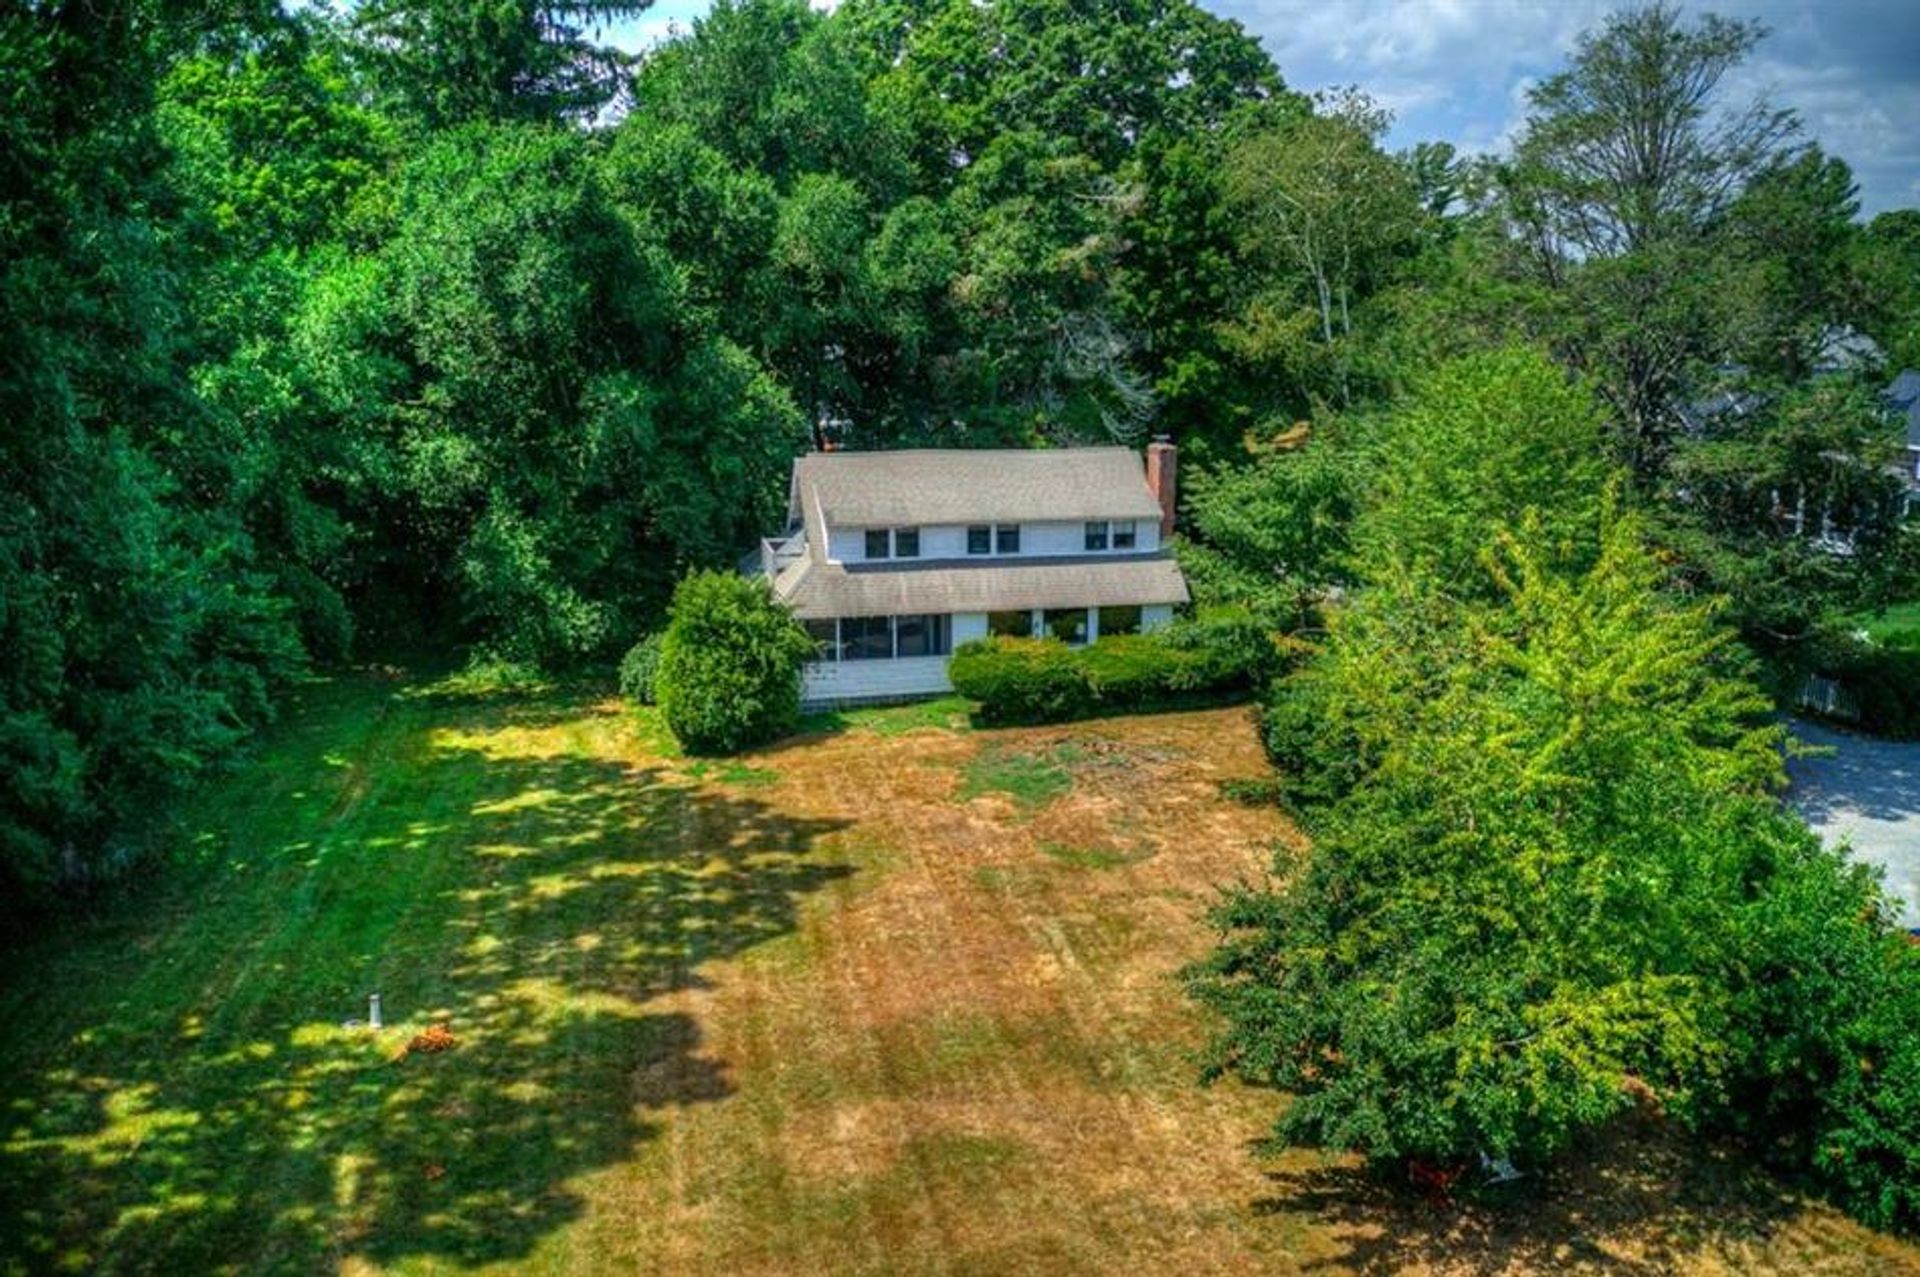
{"points": [[891, 559]]}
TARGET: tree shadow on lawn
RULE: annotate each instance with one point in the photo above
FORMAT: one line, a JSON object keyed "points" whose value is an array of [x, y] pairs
{"points": [[1640, 1200], [212, 1112]]}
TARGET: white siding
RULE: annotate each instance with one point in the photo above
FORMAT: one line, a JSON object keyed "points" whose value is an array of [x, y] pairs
{"points": [[1037, 538], [826, 681]]}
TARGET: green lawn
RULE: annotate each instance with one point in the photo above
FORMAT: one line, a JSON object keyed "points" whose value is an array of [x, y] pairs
{"points": [[181, 1091], [894, 997], [1899, 619]]}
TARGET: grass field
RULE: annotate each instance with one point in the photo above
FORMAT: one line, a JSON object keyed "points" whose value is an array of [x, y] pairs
{"points": [[896, 997], [1901, 620]]}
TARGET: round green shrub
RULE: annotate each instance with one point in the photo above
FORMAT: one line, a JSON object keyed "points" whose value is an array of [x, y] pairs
{"points": [[729, 675], [638, 668]]}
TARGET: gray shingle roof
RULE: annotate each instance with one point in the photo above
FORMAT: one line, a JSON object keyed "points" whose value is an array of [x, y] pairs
{"points": [[815, 589], [934, 485]]}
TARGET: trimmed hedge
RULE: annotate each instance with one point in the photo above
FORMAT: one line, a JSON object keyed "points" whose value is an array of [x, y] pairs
{"points": [[1044, 680]]}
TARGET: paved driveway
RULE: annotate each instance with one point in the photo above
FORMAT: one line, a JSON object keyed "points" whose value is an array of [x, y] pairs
{"points": [[1867, 792]]}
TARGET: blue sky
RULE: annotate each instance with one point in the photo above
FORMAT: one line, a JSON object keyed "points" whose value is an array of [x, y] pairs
{"points": [[1457, 70]]}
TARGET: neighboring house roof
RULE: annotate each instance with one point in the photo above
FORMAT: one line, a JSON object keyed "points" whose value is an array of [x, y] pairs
{"points": [[1722, 409], [1904, 397], [816, 589], [935, 485], [1844, 348]]}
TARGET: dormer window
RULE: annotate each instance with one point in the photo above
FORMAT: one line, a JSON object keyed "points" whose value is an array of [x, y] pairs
{"points": [[1006, 538], [1097, 535], [979, 539], [878, 544], [1123, 538]]}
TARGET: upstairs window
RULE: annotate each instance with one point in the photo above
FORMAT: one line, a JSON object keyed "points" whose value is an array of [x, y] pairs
{"points": [[979, 539], [1097, 535], [893, 543], [1006, 538], [1123, 536]]}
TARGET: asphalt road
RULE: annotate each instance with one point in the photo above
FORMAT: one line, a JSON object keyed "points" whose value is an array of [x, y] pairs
{"points": [[1867, 793]]}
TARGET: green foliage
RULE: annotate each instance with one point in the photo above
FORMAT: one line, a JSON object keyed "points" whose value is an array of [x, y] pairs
{"points": [[1482, 439], [947, 226], [1826, 999], [1631, 239], [1272, 536], [1551, 881], [453, 61], [144, 639], [1881, 681], [1021, 680], [1044, 680], [1755, 505], [730, 658], [1504, 935], [1324, 211], [639, 668], [1885, 260], [554, 433]]}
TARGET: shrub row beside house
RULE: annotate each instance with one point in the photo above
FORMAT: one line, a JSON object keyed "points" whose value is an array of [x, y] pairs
{"points": [[1043, 680]]}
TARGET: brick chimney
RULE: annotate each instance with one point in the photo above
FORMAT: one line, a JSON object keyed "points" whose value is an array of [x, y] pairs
{"points": [[1163, 464]]}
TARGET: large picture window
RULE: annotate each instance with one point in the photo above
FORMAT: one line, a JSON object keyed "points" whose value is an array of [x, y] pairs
{"points": [[1010, 624], [922, 635], [866, 638], [1115, 621], [1069, 624]]}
